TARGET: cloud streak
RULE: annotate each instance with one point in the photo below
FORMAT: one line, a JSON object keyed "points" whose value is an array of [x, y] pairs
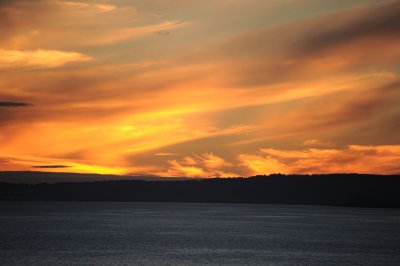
{"points": [[39, 58], [14, 104], [50, 166]]}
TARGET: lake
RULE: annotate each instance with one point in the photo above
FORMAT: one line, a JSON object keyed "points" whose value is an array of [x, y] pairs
{"points": [[104, 233]]}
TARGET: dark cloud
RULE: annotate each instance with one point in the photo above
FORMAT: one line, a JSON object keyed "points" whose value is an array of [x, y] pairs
{"points": [[314, 47], [368, 103], [50, 166], [372, 22], [14, 104]]}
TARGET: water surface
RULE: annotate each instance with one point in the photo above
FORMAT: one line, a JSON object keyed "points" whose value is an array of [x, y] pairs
{"points": [[101, 233]]}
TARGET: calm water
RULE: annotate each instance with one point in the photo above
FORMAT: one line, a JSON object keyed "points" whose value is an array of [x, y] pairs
{"points": [[81, 233]]}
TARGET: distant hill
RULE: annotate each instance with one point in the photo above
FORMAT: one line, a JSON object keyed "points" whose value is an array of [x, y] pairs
{"points": [[36, 177], [354, 190]]}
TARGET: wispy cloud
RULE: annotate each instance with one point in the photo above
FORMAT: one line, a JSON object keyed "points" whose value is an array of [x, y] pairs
{"points": [[93, 6], [123, 34], [39, 58], [165, 154]]}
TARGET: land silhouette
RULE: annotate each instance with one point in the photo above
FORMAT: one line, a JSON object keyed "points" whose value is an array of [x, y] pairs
{"points": [[352, 190]]}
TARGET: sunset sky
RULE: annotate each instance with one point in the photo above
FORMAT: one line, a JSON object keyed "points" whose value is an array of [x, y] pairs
{"points": [[211, 88]]}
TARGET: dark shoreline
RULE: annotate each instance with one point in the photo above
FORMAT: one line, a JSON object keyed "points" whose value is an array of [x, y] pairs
{"points": [[345, 190]]}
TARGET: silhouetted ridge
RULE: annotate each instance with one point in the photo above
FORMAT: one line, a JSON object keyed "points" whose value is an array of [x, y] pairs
{"points": [[334, 189]]}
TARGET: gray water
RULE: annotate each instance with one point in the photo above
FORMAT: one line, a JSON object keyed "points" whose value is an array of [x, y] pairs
{"points": [[101, 233]]}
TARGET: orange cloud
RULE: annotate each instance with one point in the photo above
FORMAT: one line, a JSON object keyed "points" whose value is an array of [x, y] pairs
{"points": [[257, 165], [177, 169], [200, 166], [97, 7], [39, 58], [353, 159], [211, 161]]}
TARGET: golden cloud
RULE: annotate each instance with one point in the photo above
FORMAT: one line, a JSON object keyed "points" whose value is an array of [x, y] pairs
{"points": [[39, 58]]}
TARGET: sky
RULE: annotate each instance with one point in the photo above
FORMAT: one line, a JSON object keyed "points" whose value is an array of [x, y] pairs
{"points": [[187, 88]]}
